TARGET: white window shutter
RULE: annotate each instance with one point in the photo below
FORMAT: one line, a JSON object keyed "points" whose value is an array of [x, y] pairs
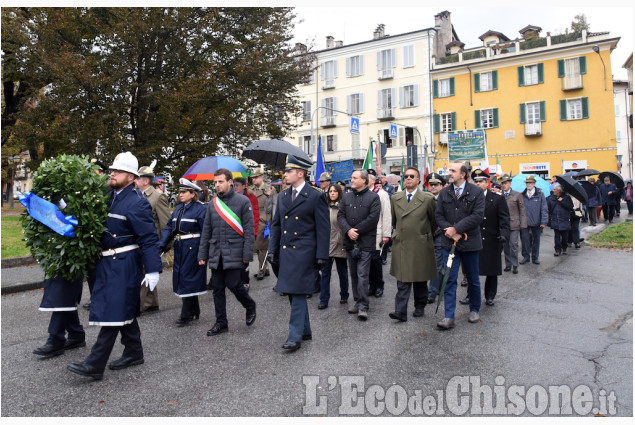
{"points": [[393, 57], [335, 143], [401, 136], [380, 104], [323, 70], [393, 97], [402, 94], [378, 61], [323, 106], [349, 108], [348, 67], [361, 64], [334, 69], [334, 105], [361, 103], [412, 55], [416, 95]]}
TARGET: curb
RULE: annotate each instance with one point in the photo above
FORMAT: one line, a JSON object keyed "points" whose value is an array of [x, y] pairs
{"points": [[8, 263], [21, 286]]}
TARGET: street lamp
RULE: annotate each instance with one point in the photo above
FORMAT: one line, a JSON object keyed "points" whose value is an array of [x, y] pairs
{"points": [[596, 49]]}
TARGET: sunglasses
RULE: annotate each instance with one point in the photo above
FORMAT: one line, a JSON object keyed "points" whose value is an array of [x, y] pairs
{"points": [[409, 176], [434, 184]]}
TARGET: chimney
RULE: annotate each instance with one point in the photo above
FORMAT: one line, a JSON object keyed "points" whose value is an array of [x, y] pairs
{"points": [[300, 48], [330, 43], [339, 43], [380, 30]]}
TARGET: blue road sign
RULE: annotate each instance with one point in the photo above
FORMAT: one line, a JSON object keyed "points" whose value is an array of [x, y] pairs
{"points": [[393, 131], [354, 125]]}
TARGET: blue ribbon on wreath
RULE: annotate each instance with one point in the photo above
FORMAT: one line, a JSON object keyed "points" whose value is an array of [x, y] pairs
{"points": [[49, 214]]}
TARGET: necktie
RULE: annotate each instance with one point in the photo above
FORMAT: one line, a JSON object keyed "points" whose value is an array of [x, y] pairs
{"points": [[409, 196], [506, 194], [293, 195], [458, 192]]}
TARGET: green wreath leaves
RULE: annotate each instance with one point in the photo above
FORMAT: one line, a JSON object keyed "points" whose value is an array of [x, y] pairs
{"points": [[72, 178]]}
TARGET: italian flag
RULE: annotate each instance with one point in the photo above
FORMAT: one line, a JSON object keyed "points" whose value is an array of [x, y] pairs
{"points": [[229, 216], [368, 162]]}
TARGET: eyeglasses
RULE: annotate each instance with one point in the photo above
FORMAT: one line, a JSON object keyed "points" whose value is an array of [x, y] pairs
{"points": [[409, 176], [434, 184], [116, 172]]}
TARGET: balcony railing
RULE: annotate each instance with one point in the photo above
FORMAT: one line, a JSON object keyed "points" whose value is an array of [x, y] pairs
{"points": [[385, 113], [328, 84], [572, 82], [386, 74], [534, 129], [328, 121]]}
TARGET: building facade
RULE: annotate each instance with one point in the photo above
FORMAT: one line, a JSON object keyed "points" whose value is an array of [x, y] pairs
{"points": [[623, 132]]}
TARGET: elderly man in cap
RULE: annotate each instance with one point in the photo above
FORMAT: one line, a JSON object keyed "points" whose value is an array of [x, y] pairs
{"points": [[537, 218], [517, 222], [325, 181], [435, 183], [161, 214], [610, 198], [300, 239], [266, 198], [131, 245]]}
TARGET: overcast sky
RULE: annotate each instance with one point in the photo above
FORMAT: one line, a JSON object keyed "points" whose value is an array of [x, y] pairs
{"points": [[356, 21]]}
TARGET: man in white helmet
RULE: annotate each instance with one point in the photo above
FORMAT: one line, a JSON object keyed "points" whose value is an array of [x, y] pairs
{"points": [[130, 244]]}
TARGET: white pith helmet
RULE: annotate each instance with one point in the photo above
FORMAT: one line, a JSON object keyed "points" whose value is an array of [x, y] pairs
{"points": [[126, 161]]}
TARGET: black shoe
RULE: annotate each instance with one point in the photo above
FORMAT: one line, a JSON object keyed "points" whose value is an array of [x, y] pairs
{"points": [[577, 246], [291, 346], [322, 307], [384, 262], [418, 312], [581, 239], [536, 262], [310, 296], [490, 301], [431, 300], [524, 261], [49, 350], [308, 337], [464, 282], [183, 321], [507, 269], [251, 316], [397, 317], [259, 276], [515, 270], [218, 329], [85, 369], [266, 273], [87, 305], [379, 293], [556, 254], [125, 362], [343, 301], [564, 252], [74, 343], [151, 309], [465, 300]]}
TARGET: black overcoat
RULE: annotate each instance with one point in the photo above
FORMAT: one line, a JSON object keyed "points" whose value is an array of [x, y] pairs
{"points": [[495, 223]]}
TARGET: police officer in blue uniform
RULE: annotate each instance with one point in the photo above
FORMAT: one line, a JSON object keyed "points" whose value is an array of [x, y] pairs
{"points": [[300, 237], [189, 280], [130, 244]]}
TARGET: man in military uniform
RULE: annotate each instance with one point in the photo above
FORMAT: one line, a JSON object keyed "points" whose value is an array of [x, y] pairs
{"points": [[266, 197], [300, 238], [325, 181], [161, 214], [130, 244]]}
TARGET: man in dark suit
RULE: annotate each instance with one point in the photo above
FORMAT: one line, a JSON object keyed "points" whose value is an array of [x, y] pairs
{"points": [[299, 245]]}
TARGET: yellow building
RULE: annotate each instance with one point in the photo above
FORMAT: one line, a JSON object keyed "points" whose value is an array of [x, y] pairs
{"points": [[546, 103]]}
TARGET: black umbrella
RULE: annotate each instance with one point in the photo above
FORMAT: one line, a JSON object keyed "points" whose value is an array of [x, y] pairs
{"points": [[573, 188], [616, 178], [273, 152], [446, 275], [571, 174], [588, 172]]}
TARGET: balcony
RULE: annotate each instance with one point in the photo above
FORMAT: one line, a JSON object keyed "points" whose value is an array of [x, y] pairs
{"points": [[533, 130], [328, 84], [385, 114], [443, 138], [386, 74], [328, 121], [572, 82]]}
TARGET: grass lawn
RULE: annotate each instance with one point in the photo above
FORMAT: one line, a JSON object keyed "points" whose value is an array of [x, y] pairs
{"points": [[619, 236], [12, 243]]}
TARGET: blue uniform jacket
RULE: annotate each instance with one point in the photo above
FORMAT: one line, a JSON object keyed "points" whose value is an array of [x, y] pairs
{"points": [[188, 278], [115, 297], [300, 233]]}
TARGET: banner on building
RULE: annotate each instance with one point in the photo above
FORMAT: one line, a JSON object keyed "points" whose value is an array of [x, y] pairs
{"points": [[468, 144], [341, 170]]}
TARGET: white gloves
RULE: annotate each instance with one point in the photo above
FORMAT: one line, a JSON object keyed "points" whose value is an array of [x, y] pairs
{"points": [[151, 280]]}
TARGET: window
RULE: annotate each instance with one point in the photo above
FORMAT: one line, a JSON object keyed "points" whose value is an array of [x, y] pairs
{"points": [[385, 103], [533, 113], [574, 109], [486, 118], [329, 104], [486, 81], [571, 71], [530, 75], [443, 88], [306, 145], [619, 137], [408, 56], [409, 96], [306, 110], [446, 122], [331, 143], [329, 73], [617, 110], [355, 141], [355, 103], [355, 66], [386, 59]]}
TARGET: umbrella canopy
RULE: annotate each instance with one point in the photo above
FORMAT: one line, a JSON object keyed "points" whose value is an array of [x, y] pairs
{"points": [[204, 169], [588, 172], [273, 152], [518, 183], [393, 179], [571, 174], [573, 188], [616, 178]]}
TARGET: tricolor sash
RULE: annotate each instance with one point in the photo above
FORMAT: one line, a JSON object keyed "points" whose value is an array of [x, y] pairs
{"points": [[229, 216]]}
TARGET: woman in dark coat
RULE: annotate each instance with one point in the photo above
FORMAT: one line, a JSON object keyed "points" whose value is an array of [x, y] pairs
{"points": [[560, 209], [189, 280]]}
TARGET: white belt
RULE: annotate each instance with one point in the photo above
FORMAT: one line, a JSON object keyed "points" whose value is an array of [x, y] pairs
{"points": [[187, 236], [119, 250]]}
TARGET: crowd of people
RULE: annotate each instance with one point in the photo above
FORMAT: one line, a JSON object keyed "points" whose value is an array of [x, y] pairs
{"points": [[464, 220]]}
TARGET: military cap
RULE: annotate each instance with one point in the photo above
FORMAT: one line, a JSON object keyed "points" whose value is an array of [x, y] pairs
{"points": [[258, 172], [372, 172], [530, 179], [505, 178], [341, 183], [435, 178], [496, 185], [146, 172], [479, 174], [296, 163], [185, 184], [325, 177], [100, 164]]}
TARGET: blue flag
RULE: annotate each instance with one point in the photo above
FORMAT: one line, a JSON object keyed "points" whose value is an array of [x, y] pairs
{"points": [[48, 214], [319, 165], [266, 233]]}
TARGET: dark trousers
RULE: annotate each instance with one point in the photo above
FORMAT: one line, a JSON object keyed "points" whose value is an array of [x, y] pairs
{"points": [[244, 275], [574, 233], [469, 260], [229, 279], [560, 240], [403, 294], [130, 338], [359, 270], [629, 205], [376, 274], [530, 238], [593, 218], [90, 278], [325, 284], [491, 285], [608, 211], [62, 322], [190, 307], [299, 323]]}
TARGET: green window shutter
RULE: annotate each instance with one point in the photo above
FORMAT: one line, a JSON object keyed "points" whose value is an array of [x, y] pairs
{"points": [[522, 113], [452, 86], [477, 83], [541, 73], [560, 68], [494, 80], [563, 110], [543, 111], [582, 64], [495, 117], [437, 124], [477, 119], [521, 76], [435, 88], [585, 107], [453, 121]]}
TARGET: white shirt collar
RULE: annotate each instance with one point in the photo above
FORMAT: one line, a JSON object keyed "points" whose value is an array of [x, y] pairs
{"points": [[462, 186], [485, 192], [411, 193], [299, 188]]}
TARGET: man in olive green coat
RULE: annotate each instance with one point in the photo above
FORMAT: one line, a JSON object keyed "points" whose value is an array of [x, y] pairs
{"points": [[413, 260]]}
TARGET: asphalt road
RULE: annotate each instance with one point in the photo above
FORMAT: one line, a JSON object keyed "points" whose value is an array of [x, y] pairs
{"points": [[566, 322]]}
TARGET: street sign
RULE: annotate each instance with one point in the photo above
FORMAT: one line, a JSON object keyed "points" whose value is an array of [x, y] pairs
{"points": [[354, 125], [393, 131]]}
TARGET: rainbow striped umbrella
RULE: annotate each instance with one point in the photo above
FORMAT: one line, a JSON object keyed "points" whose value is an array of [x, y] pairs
{"points": [[204, 169]]}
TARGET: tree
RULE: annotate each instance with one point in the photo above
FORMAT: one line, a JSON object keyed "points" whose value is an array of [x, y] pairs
{"points": [[580, 23], [172, 84]]}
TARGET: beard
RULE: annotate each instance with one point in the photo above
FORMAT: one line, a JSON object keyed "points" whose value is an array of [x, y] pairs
{"points": [[117, 186]]}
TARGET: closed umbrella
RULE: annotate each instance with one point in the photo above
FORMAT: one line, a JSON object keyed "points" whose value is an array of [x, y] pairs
{"points": [[446, 275], [518, 183], [616, 178], [204, 169], [572, 187], [274, 152]]}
